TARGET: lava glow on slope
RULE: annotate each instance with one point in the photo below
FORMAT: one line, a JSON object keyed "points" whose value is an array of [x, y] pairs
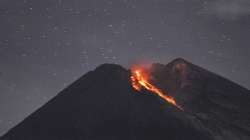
{"points": [[140, 79]]}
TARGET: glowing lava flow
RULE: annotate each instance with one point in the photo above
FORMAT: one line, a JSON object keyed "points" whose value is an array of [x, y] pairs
{"points": [[139, 79]]}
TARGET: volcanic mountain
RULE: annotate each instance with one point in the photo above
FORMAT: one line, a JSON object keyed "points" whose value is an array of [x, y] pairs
{"points": [[110, 103]]}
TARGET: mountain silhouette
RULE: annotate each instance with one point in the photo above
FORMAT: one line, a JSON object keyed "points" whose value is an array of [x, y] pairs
{"points": [[102, 105]]}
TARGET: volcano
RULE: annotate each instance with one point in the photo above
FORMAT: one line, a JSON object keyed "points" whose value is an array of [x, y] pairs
{"points": [[107, 104]]}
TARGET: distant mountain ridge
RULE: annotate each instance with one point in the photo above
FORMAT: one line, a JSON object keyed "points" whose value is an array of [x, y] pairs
{"points": [[103, 105]]}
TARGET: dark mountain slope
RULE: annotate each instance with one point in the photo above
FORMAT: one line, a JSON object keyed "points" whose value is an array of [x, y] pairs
{"points": [[221, 106], [103, 105]]}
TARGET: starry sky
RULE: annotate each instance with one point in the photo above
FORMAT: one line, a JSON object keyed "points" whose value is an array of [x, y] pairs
{"points": [[46, 45]]}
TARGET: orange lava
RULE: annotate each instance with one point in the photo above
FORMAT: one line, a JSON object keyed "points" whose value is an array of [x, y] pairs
{"points": [[139, 79]]}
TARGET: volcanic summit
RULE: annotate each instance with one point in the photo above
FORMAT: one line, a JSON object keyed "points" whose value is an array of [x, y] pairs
{"points": [[177, 101]]}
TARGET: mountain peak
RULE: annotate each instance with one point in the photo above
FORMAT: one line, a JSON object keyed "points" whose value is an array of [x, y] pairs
{"points": [[102, 104], [179, 64], [176, 62], [179, 60], [110, 67]]}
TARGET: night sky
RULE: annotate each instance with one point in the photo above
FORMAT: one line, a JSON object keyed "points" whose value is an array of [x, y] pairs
{"points": [[46, 45]]}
